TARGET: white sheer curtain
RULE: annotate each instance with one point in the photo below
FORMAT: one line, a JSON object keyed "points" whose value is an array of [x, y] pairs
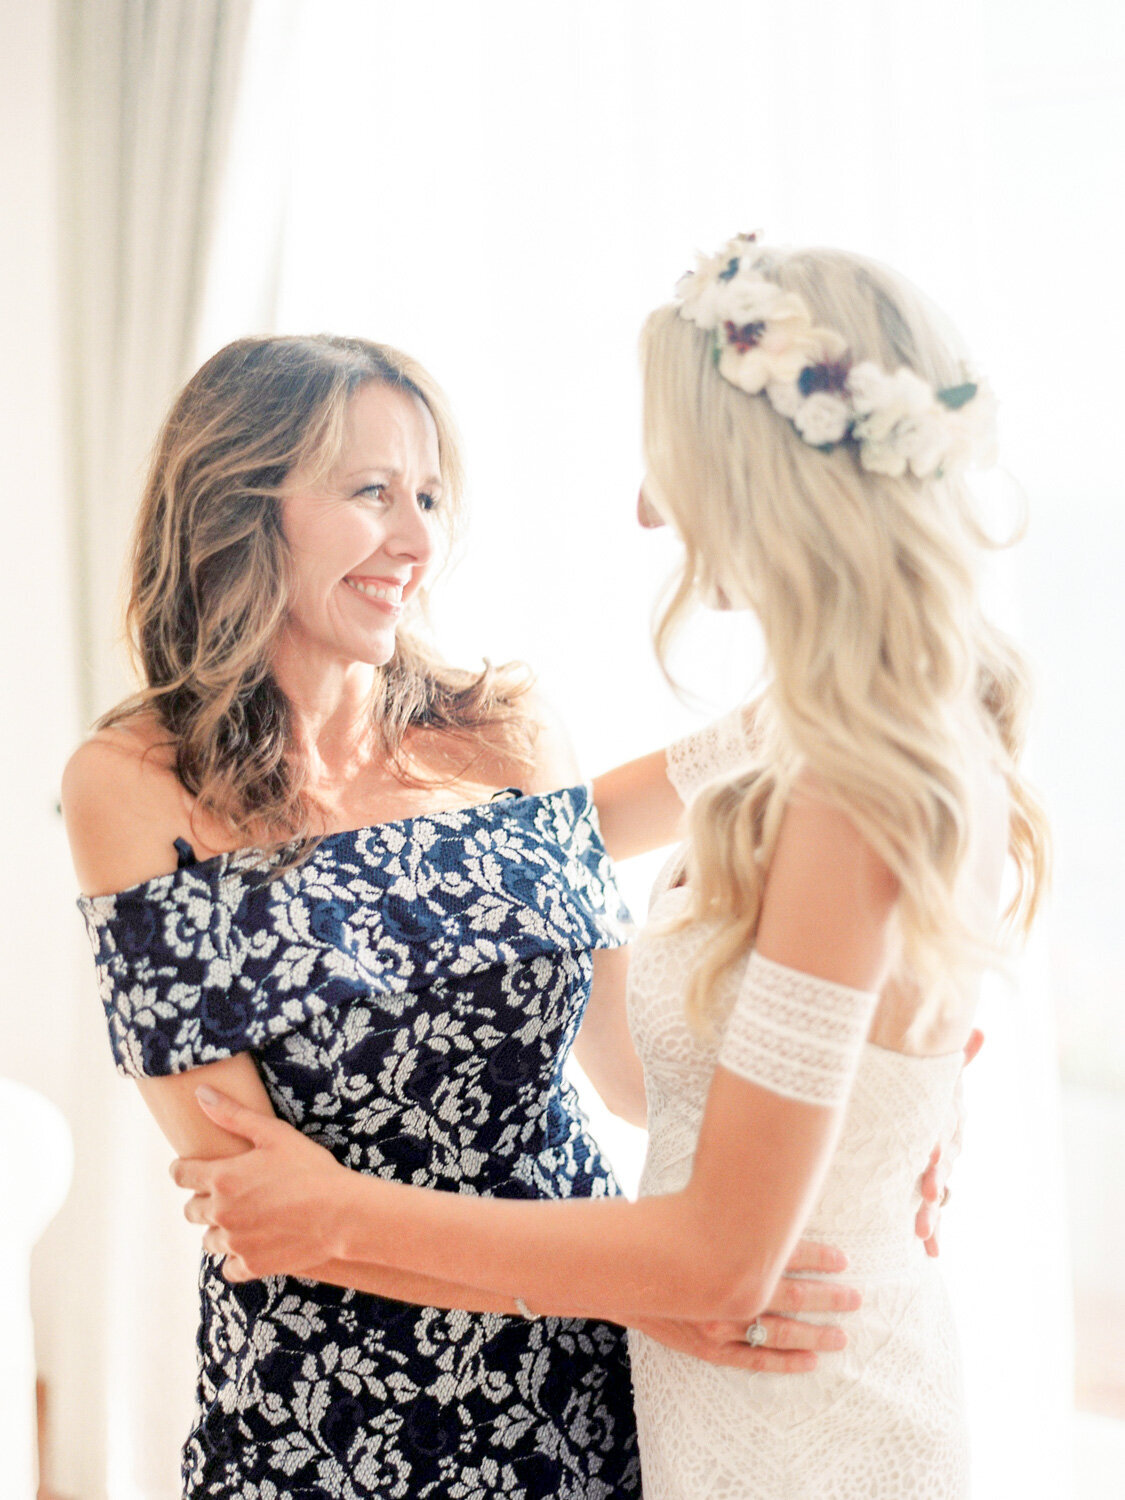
{"points": [[505, 190], [147, 90]]}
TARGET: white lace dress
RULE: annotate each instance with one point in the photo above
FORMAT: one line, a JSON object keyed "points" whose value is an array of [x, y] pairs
{"points": [[881, 1420]]}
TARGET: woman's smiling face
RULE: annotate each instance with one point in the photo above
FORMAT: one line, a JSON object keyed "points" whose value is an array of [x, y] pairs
{"points": [[362, 537]]}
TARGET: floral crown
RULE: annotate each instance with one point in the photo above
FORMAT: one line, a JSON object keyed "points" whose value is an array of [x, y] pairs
{"points": [[765, 342]]}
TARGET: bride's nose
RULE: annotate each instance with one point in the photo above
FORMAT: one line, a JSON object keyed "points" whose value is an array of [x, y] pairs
{"points": [[648, 517]]}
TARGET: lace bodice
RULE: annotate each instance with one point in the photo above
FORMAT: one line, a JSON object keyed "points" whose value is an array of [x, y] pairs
{"points": [[893, 1118], [881, 1420], [409, 994]]}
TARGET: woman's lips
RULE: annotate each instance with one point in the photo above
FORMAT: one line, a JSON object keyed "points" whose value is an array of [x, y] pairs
{"points": [[385, 594]]}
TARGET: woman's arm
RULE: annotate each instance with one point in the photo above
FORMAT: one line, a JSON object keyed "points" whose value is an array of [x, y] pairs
{"points": [[189, 1131], [638, 807], [604, 1046], [714, 1250], [641, 804]]}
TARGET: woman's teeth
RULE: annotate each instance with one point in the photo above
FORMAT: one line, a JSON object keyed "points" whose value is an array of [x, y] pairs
{"points": [[390, 593]]}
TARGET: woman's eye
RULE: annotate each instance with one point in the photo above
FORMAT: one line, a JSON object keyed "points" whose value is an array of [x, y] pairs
{"points": [[428, 502], [372, 492]]}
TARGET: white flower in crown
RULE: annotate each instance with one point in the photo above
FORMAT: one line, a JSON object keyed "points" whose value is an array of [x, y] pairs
{"points": [[903, 424], [704, 293], [749, 298], [868, 387], [882, 401], [881, 458], [785, 396], [895, 421], [823, 419], [924, 440]]}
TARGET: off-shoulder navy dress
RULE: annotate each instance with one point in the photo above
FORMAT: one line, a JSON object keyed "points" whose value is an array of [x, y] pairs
{"points": [[410, 994]]}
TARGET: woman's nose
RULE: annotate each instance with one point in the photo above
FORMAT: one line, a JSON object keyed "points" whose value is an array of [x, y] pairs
{"points": [[412, 535]]}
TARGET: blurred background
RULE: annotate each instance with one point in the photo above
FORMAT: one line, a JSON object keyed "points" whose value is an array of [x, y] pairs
{"points": [[504, 188]]}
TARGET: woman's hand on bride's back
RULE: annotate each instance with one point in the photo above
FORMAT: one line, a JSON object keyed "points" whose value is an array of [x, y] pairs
{"points": [[933, 1185]]}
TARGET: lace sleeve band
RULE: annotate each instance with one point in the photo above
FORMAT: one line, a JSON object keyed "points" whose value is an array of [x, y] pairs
{"points": [[710, 752], [795, 1034]]}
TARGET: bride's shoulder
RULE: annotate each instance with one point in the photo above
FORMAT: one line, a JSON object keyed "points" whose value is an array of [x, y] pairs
{"points": [[122, 805], [829, 897]]}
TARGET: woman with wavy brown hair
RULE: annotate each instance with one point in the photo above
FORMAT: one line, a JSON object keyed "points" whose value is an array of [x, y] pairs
{"points": [[360, 889], [807, 981]]}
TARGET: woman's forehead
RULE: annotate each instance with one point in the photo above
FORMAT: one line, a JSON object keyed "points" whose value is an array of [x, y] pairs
{"points": [[389, 418]]}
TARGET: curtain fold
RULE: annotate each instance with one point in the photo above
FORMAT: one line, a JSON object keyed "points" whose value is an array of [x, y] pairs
{"points": [[147, 95], [148, 90]]}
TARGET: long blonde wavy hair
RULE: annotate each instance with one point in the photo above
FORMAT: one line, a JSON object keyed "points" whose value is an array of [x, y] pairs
{"points": [[865, 589], [210, 583]]}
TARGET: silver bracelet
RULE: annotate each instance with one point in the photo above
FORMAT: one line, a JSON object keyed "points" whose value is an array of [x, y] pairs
{"points": [[525, 1311]]}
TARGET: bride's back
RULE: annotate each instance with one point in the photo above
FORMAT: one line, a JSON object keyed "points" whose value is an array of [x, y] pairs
{"points": [[904, 1020]]}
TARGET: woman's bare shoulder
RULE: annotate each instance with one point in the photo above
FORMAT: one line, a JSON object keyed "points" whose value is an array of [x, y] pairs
{"points": [[543, 764], [123, 806], [555, 763]]}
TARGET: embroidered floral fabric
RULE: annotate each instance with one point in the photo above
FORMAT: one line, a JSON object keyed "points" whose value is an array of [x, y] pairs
{"points": [[410, 994], [881, 1420]]}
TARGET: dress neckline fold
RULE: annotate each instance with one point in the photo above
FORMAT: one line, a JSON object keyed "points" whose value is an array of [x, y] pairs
{"points": [[503, 803]]}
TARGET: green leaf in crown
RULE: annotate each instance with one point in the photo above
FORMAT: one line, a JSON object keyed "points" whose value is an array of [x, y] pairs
{"points": [[956, 396]]}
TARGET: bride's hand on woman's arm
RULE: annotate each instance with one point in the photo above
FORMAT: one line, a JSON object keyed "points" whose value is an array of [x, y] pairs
{"points": [[213, 1147], [268, 1211]]}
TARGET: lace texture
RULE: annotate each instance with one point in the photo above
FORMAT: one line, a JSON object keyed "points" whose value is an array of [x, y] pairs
{"points": [[707, 754], [880, 1420], [409, 994], [796, 1034]]}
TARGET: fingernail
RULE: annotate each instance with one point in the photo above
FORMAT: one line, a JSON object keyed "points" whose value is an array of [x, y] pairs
{"points": [[206, 1095]]}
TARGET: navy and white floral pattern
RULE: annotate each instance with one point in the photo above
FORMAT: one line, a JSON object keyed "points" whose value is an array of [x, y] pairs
{"points": [[410, 994]]}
